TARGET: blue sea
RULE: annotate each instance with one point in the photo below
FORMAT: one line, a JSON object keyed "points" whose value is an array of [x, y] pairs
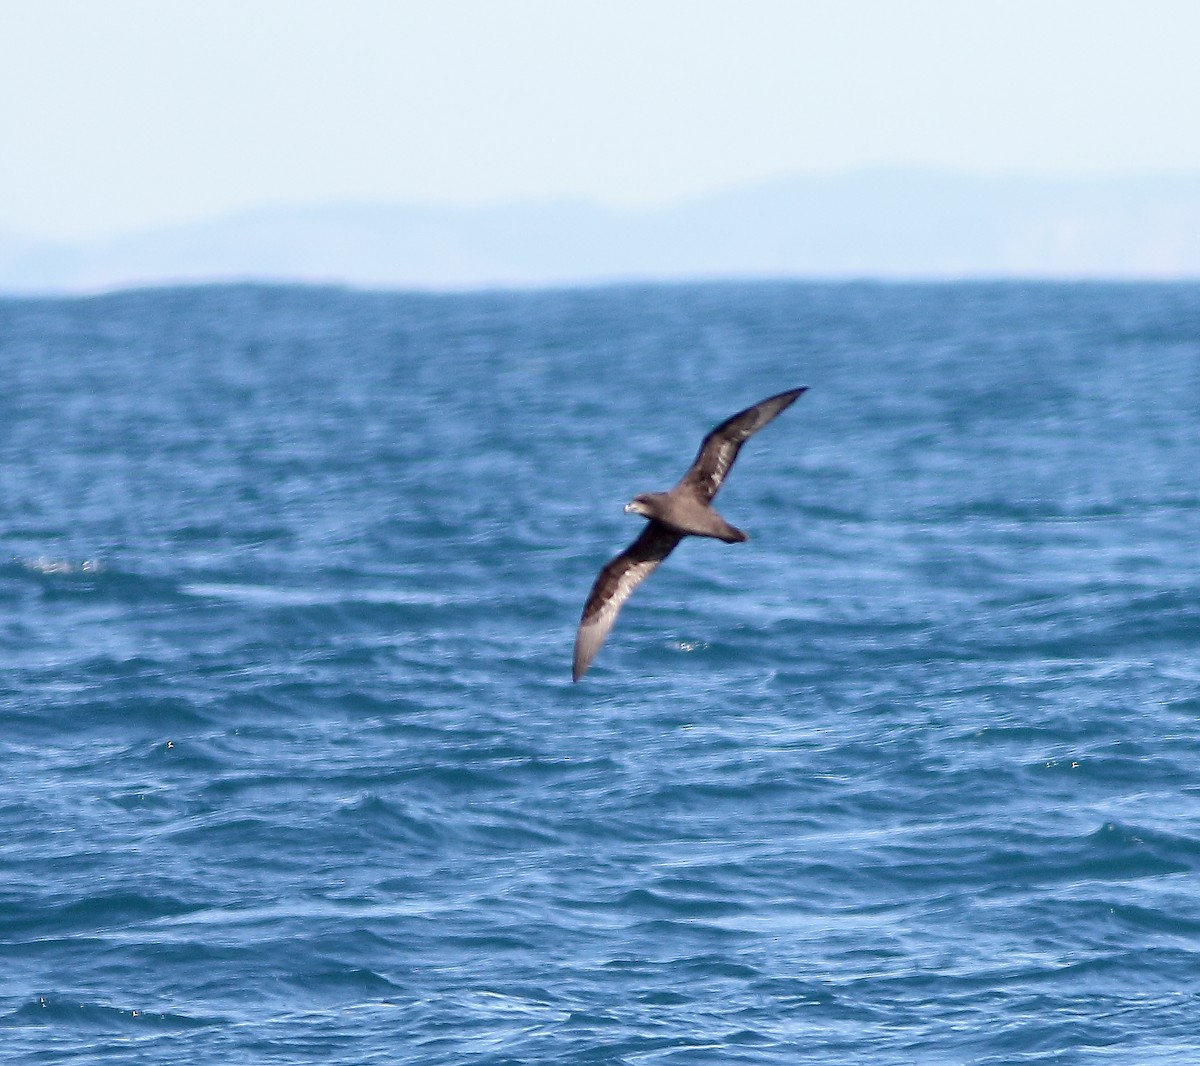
{"points": [[292, 769]]}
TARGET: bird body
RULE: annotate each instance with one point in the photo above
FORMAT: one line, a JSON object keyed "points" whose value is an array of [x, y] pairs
{"points": [[684, 511], [681, 511]]}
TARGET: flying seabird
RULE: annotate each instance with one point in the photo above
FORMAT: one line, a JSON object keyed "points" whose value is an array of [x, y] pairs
{"points": [[684, 511]]}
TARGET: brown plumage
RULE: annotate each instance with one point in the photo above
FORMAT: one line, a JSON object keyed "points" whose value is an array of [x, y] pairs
{"points": [[684, 511]]}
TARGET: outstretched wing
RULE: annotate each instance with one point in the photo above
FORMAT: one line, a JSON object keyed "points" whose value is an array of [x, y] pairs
{"points": [[613, 587], [720, 447]]}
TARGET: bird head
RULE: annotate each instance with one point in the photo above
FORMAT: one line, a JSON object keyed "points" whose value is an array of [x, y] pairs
{"points": [[643, 504]]}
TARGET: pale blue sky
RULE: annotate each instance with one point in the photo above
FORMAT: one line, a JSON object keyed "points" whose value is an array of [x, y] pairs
{"points": [[119, 114]]}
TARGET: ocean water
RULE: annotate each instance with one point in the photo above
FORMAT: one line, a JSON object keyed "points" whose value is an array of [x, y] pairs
{"points": [[292, 769]]}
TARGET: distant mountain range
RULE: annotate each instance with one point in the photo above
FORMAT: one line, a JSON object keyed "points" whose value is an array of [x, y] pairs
{"points": [[878, 223]]}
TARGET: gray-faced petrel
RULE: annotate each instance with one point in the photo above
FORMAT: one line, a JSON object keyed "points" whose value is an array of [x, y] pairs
{"points": [[684, 511]]}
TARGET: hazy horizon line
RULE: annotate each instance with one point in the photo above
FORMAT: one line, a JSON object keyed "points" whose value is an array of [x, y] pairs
{"points": [[589, 202]]}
